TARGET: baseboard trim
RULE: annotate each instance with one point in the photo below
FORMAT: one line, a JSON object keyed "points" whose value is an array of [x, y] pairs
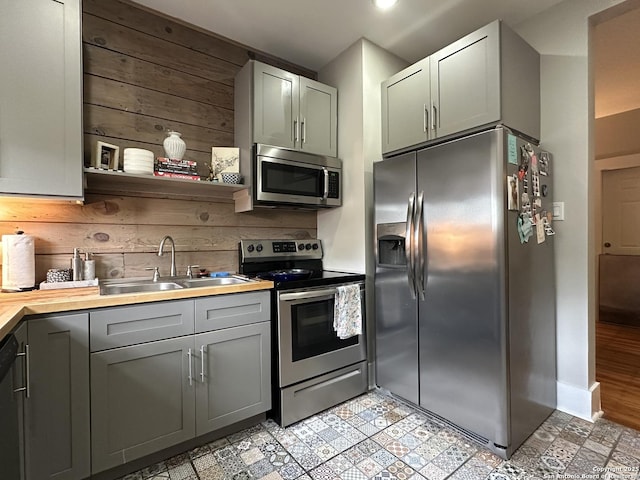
{"points": [[579, 402]]}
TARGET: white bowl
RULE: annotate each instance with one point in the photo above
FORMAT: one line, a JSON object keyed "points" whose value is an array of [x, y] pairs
{"points": [[138, 151], [146, 161], [138, 155], [138, 161], [138, 170], [128, 167]]}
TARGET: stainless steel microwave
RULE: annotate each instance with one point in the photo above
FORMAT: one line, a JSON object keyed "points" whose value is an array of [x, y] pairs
{"points": [[292, 178]]}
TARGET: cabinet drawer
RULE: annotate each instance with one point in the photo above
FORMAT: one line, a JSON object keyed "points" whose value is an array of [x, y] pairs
{"points": [[118, 327], [224, 311]]}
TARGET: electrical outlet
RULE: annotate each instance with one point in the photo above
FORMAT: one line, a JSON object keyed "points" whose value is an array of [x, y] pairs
{"points": [[558, 211]]}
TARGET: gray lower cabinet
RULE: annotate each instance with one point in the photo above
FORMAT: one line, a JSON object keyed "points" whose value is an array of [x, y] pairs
{"points": [[149, 393], [56, 411], [41, 98], [141, 400], [234, 375]]}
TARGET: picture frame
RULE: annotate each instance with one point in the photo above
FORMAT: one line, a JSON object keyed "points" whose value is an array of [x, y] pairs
{"points": [[224, 159], [106, 156]]}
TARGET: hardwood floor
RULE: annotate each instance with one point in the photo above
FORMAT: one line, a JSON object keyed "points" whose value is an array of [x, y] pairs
{"points": [[618, 371]]}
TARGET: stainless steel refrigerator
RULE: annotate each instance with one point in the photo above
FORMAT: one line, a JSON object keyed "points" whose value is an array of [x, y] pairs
{"points": [[464, 284]]}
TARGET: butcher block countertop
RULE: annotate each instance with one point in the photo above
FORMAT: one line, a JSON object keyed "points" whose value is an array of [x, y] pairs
{"points": [[15, 306]]}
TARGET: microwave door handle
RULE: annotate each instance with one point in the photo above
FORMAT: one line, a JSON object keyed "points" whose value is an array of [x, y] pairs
{"points": [[325, 194]]}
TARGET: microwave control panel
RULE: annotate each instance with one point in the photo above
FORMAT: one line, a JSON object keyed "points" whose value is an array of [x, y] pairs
{"points": [[334, 185]]}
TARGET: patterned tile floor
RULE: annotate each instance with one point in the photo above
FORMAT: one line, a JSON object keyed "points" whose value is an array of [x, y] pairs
{"points": [[376, 437]]}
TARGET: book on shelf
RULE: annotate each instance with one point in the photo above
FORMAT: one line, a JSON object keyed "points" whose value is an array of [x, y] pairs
{"points": [[176, 175], [169, 165]]}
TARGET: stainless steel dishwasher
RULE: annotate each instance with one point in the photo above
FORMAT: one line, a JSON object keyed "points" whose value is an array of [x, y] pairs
{"points": [[13, 388]]}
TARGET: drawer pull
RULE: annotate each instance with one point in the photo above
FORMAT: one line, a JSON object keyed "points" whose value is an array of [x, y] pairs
{"points": [[328, 382], [202, 363]]}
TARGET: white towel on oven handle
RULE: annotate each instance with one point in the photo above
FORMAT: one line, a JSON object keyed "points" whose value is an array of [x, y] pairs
{"points": [[347, 311]]}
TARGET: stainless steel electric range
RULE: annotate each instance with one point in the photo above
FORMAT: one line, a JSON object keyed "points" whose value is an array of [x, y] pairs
{"points": [[313, 369]]}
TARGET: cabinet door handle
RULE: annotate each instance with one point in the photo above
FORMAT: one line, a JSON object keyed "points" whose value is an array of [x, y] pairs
{"points": [[295, 130], [202, 363], [27, 374], [434, 117], [304, 130], [425, 117], [190, 372]]}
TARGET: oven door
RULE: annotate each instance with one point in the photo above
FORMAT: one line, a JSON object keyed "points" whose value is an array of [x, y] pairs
{"points": [[284, 181], [307, 343]]}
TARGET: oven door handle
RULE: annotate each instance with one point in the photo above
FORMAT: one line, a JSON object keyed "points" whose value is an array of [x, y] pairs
{"points": [[329, 292]]}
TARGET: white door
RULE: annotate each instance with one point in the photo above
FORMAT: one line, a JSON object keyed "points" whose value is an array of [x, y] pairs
{"points": [[621, 211]]}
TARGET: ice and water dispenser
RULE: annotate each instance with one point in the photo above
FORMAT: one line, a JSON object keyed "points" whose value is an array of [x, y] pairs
{"points": [[391, 244]]}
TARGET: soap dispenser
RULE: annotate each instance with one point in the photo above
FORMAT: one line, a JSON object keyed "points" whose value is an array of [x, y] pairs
{"points": [[89, 267], [76, 265]]}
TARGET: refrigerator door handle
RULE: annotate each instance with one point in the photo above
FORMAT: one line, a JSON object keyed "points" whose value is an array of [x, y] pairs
{"points": [[419, 246], [409, 245]]}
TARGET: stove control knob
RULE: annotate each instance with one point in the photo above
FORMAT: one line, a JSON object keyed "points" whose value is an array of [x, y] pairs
{"points": [[315, 246], [259, 248], [308, 246], [301, 246], [250, 248]]}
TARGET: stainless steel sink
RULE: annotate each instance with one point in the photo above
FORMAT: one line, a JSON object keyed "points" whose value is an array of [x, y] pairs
{"points": [[214, 282], [139, 285]]}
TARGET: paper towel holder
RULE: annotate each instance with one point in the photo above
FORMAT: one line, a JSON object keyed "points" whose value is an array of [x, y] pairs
{"points": [[9, 282]]}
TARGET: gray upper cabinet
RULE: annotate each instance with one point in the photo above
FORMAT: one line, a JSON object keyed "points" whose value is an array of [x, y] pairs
{"points": [[142, 400], [488, 77], [276, 107], [318, 118], [234, 375], [57, 436], [41, 98], [465, 82], [406, 102]]}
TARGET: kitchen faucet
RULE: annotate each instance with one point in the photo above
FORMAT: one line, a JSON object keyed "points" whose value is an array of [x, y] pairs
{"points": [[173, 253]]}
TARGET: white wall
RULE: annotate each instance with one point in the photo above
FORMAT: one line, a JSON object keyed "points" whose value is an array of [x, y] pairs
{"points": [[356, 73], [347, 232], [561, 35]]}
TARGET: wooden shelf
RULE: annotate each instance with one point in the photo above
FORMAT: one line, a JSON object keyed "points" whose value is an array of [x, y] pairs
{"points": [[119, 183]]}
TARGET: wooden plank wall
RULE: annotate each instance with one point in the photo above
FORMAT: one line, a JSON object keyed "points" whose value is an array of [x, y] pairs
{"points": [[145, 74]]}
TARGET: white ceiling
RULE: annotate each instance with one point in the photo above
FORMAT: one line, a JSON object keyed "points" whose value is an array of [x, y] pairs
{"points": [[311, 33]]}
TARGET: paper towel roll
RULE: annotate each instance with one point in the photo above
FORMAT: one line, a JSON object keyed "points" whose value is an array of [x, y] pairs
{"points": [[18, 262]]}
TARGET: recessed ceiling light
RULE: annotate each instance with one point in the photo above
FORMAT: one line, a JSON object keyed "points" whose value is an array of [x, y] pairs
{"points": [[384, 4]]}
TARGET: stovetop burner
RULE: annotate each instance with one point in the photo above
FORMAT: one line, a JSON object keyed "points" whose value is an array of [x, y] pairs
{"points": [[261, 258]]}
